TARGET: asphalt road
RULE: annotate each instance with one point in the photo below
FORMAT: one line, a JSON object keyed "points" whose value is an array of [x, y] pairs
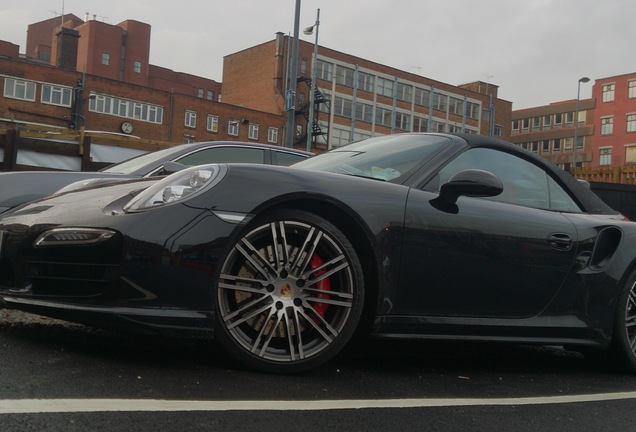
{"points": [[56, 376]]}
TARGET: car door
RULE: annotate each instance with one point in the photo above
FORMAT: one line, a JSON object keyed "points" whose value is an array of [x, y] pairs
{"points": [[499, 257]]}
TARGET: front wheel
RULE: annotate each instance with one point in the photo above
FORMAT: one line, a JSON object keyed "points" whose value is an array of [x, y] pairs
{"points": [[623, 346], [289, 294]]}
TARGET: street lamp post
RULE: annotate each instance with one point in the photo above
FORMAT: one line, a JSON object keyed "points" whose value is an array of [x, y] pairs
{"points": [[290, 97], [576, 120], [312, 91]]}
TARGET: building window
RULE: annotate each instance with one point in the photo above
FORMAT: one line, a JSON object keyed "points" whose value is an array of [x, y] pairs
{"points": [[191, 119], [569, 119], [558, 120], [472, 110], [456, 106], [272, 135], [545, 147], [125, 108], [608, 92], [210, 95], [440, 101], [345, 76], [536, 123], [405, 93], [19, 89], [525, 125], [607, 125], [213, 123], [498, 130], [556, 145], [366, 82], [605, 156], [324, 70], [631, 89], [547, 121], [303, 66], [105, 59], [422, 96], [200, 93], [187, 139], [631, 122], [384, 87], [56, 95], [253, 131], [630, 154], [233, 128], [137, 67], [567, 144], [515, 126]]}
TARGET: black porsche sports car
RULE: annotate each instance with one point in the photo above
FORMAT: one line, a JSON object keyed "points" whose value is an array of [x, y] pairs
{"points": [[18, 187], [409, 235]]}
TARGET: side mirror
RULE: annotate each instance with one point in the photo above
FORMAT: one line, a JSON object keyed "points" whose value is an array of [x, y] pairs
{"points": [[172, 167], [470, 182]]}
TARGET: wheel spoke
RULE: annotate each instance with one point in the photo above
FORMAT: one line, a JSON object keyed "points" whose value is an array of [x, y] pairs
{"points": [[279, 243], [330, 268], [262, 265], [306, 251], [334, 302], [319, 324], [234, 283], [242, 314]]}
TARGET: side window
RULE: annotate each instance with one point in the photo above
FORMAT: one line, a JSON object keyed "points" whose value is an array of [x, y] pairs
{"points": [[286, 159], [224, 155], [523, 182]]}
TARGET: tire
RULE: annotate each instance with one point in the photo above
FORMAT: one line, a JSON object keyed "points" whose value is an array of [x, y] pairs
{"points": [[622, 349], [289, 293]]}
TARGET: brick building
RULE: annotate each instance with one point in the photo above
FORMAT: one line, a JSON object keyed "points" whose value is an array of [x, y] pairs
{"points": [[606, 128], [358, 98], [95, 75], [87, 73]]}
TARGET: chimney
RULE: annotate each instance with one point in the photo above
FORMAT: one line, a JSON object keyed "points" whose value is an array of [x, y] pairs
{"points": [[65, 48]]}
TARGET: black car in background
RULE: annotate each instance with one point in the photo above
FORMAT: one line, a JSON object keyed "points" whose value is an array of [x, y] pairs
{"points": [[437, 236], [24, 186]]}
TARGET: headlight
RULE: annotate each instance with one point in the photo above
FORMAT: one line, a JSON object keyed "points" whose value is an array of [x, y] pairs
{"points": [[177, 187]]}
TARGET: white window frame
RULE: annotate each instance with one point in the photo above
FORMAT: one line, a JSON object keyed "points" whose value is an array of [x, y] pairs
{"points": [[605, 156], [272, 135], [631, 89], [190, 119], [252, 132], [19, 89], [213, 123], [631, 122], [233, 128], [105, 59], [608, 92], [607, 125]]}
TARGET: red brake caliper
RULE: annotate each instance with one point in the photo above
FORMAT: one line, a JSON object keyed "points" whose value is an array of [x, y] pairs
{"points": [[324, 285]]}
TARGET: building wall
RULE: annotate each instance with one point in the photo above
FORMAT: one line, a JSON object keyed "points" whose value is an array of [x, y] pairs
{"points": [[256, 77], [539, 131], [621, 140], [607, 126], [96, 90]]}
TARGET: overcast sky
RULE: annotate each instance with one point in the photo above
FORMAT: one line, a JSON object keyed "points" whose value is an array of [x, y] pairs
{"points": [[534, 50]]}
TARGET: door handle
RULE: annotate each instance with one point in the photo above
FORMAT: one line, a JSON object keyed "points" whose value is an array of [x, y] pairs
{"points": [[560, 241]]}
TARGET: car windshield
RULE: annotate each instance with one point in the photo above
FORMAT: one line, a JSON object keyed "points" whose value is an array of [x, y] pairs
{"points": [[132, 165], [388, 158]]}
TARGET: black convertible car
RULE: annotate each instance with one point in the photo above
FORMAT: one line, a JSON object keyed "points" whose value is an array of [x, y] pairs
{"points": [[20, 187], [410, 235]]}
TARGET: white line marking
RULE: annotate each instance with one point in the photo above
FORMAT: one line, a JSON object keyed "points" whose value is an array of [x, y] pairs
{"points": [[26, 406]]}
